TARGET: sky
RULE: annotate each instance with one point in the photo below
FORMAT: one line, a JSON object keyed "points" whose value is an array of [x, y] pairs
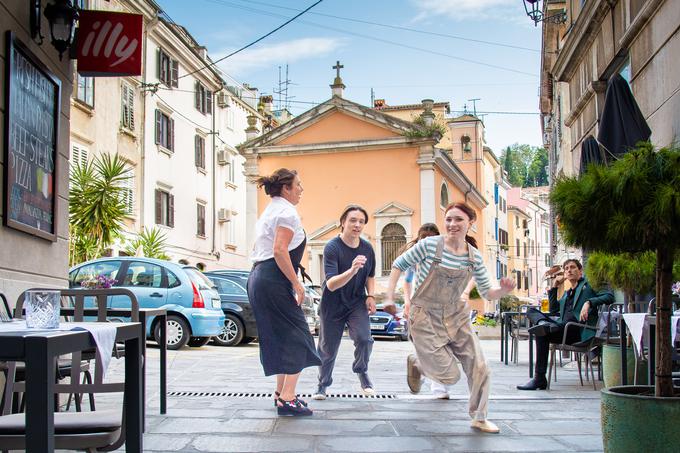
{"points": [[405, 50]]}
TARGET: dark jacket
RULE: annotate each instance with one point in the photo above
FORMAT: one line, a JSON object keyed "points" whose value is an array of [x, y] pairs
{"points": [[583, 293]]}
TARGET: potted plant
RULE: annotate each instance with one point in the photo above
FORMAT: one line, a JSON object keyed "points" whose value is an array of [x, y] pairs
{"points": [[632, 206], [633, 274]]}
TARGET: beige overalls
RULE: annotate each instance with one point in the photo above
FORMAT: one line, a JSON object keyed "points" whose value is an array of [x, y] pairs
{"points": [[441, 331]]}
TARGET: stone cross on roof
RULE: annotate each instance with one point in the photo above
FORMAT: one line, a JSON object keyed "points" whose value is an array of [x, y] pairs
{"points": [[337, 68]]}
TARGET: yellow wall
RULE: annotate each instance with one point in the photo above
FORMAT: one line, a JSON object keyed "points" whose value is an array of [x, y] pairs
{"points": [[333, 180], [337, 127]]}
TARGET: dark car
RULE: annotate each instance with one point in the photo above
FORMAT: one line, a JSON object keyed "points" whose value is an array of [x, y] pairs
{"points": [[239, 322], [384, 324]]}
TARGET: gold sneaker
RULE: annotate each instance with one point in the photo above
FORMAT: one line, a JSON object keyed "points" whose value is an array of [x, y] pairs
{"points": [[485, 426], [413, 376]]}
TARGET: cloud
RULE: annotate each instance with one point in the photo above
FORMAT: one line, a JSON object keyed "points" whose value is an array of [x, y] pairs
{"points": [[461, 9], [279, 53]]}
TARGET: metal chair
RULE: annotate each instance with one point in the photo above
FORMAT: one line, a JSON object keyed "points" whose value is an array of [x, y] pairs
{"points": [[91, 431], [519, 330], [580, 349]]}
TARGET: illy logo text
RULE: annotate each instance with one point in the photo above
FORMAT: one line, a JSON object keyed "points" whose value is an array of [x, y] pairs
{"points": [[121, 46]]}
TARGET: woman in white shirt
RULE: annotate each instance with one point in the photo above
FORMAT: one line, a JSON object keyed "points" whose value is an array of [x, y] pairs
{"points": [[275, 293]]}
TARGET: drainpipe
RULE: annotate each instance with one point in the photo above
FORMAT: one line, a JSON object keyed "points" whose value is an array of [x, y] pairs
{"points": [[214, 251]]}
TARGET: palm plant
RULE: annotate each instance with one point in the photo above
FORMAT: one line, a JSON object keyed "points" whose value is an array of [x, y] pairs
{"points": [[150, 242], [96, 205], [632, 206]]}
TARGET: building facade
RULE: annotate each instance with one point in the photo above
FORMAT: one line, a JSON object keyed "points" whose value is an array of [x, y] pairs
{"points": [[417, 180], [176, 126], [635, 38], [28, 260]]}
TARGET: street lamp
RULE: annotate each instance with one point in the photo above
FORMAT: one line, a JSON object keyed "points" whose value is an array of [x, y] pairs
{"points": [[62, 16], [535, 13]]}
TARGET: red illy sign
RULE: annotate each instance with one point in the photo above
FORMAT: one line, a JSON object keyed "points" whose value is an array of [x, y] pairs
{"points": [[109, 43]]}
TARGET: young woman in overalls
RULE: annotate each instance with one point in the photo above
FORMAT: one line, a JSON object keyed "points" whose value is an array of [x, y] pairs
{"points": [[439, 322]]}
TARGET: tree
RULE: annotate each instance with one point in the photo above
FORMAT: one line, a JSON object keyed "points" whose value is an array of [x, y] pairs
{"points": [[537, 174], [151, 244], [525, 165], [632, 273], [96, 206], [632, 206]]}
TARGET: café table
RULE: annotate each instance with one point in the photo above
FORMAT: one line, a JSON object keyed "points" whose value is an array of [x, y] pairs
{"points": [[145, 315], [649, 339], [39, 349], [506, 327]]}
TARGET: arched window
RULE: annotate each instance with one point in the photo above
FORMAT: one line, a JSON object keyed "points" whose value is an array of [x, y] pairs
{"points": [[393, 239], [444, 196], [200, 266], [183, 262]]}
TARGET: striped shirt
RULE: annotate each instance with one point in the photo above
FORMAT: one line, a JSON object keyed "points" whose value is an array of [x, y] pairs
{"points": [[423, 253]]}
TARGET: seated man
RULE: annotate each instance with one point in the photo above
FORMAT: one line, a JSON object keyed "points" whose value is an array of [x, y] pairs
{"points": [[578, 304]]}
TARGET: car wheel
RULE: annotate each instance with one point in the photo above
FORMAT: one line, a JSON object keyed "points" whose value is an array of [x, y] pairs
{"points": [[197, 342], [232, 332], [177, 332]]}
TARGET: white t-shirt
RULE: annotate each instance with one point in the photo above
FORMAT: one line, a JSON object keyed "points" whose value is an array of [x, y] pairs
{"points": [[279, 213]]}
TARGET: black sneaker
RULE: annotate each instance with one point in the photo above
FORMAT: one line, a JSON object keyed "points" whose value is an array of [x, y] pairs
{"points": [[366, 385], [320, 393], [292, 409]]}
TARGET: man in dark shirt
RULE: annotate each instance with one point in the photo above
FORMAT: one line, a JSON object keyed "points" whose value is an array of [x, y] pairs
{"points": [[578, 304], [347, 300]]}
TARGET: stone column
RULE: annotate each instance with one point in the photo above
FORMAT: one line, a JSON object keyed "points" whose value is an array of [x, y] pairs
{"points": [[427, 184], [251, 171]]}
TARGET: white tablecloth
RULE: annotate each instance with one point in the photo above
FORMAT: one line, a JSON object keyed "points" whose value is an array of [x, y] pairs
{"points": [[637, 325], [104, 335]]}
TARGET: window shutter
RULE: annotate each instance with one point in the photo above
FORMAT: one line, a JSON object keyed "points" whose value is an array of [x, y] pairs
{"points": [[171, 210], [174, 73], [202, 152], [171, 134], [159, 127], [159, 64], [159, 207], [131, 108], [197, 95], [209, 102], [197, 156]]}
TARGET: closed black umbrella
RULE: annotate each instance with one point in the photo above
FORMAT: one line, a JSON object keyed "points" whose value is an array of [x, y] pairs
{"points": [[622, 124], [590, 154]]}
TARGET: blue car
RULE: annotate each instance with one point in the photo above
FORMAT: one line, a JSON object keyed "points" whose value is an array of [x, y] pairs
{"points": [[192, 303], [384, 324]]}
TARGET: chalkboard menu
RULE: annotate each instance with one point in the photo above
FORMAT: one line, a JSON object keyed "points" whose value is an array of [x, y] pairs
{"points": [[32, 103]]}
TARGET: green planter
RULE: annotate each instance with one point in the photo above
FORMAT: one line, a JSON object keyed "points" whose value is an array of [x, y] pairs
{"points": [[611, 366], [634, 420]]}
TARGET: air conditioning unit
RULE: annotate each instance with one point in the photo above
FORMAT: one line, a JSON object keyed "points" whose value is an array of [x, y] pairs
{"points": [[223, 100], [222, 158], [224, 215]]}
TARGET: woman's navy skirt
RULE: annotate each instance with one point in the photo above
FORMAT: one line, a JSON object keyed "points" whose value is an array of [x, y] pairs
{"points": [[286, 345]]}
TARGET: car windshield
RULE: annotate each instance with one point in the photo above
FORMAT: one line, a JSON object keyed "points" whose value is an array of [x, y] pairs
{"points": [[198, 278]]}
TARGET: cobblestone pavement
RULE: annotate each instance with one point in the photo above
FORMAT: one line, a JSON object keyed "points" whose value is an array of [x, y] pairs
{"points": [[566, 418]]}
